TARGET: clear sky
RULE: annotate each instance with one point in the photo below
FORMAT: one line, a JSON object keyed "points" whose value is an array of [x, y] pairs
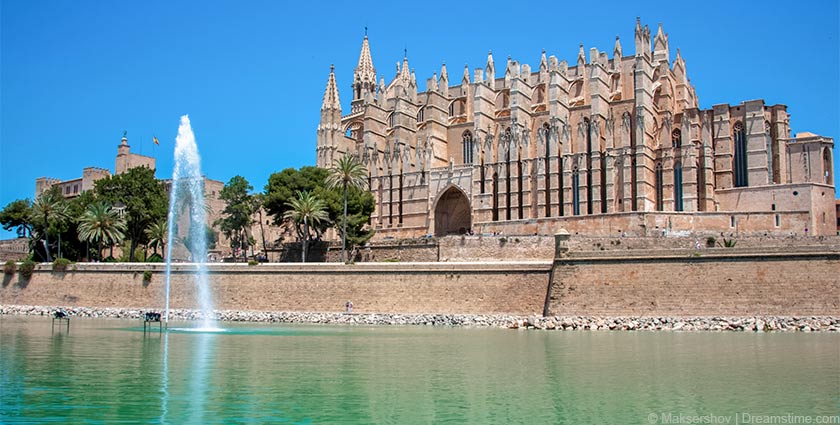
{"points": [[251, 74]]}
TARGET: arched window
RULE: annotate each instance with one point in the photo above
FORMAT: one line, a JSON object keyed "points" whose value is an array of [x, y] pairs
{"points": [[678, 189], [452, 109], [739, 162], [575, 192], [546, 132], [827, 166], [391, 120], [659, 191], [468, 146], [588, 165], [772, 154], [420, 115], [676, 139]]}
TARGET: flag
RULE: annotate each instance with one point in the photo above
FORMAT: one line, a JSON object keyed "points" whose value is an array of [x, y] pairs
{"points": [[154, 139]]}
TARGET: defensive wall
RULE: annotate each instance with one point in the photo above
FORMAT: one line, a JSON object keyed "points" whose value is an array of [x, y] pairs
{"points": [[588, 277]]}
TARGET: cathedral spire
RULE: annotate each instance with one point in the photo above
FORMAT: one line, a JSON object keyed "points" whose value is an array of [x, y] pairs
{"points": [[364, 76], [331, 93]]}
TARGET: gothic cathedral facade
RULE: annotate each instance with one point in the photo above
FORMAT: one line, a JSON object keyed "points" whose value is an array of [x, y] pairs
{"points": [[604, 146]]}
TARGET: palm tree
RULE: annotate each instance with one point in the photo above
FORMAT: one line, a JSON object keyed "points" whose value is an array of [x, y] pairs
{"points": [[157, 234], [100, 223], [49, 209], [306, 209], [346, 173]]}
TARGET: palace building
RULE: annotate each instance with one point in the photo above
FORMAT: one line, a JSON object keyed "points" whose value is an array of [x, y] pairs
{"points": [[614, 143]]}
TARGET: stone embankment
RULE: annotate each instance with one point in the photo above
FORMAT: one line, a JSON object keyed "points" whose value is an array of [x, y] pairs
{"points": [[757, 324]]}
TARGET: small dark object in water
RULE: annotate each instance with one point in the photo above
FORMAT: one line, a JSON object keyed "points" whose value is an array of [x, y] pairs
{"points": [[61, 315], [150, 317]]}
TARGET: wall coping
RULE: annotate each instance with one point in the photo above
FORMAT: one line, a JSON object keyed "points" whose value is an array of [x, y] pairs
{"points": [[383, 267]]}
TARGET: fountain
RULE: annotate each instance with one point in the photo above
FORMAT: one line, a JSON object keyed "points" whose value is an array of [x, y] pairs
{"points": [[187, 195]]}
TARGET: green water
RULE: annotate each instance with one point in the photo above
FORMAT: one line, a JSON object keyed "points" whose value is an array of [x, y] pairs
{"points": [[108, 371]]}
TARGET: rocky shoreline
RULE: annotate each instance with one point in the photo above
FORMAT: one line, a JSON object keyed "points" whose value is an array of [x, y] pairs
{"points": [[748, 323]]}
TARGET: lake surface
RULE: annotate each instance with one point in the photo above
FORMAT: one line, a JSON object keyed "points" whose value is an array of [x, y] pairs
{"points": [[109, 371]]}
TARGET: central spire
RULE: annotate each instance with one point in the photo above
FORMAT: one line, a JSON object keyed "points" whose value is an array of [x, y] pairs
{"points": [[365, 70]]}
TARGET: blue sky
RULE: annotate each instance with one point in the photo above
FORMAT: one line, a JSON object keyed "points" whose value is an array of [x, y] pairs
{"points": [[251, 74]]}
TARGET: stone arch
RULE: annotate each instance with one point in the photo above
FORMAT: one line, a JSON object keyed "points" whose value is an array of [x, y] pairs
{"points": [[453, 212]]}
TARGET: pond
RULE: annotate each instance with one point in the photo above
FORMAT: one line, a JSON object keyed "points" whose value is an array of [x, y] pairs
{"points": [[108, 370]]}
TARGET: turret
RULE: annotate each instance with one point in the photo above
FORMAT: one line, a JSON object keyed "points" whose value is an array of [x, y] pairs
{"points": [[642, 39], [329, 128]]}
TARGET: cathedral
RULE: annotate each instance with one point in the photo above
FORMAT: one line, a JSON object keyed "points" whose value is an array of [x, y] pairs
{"points": [[613, 144]]}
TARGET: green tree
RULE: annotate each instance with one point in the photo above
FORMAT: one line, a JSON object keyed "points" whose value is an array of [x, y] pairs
{"points": [[347, 173], [283, 186], [306, 209], [157, 235], [101, 224], [49, 211], [17, 215], [237, 216], [143, 198], [74, 247]]}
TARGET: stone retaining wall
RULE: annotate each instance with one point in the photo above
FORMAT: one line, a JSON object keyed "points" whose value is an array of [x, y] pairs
{"points": [[736, 283], [487, 288]]}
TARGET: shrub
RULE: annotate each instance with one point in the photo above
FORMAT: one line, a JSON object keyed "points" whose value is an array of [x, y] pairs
{"points": [[710, 242], [60, 265], [502, 240], [154, 258], [253, 262], [147, 276], [10, 267], [27, 267], [729, 243]]}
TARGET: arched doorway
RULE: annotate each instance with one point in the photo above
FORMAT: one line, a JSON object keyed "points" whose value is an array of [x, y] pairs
{"points": [[452, 213]]}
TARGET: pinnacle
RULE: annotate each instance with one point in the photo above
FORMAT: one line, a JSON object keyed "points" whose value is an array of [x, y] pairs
{"points": [[331, 100]]}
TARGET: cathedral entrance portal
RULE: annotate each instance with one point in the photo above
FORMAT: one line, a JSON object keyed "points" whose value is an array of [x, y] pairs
{"points": [[452, 213]]}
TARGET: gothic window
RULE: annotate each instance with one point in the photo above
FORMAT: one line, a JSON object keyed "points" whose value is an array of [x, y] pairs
{"points": [[676, 139], [546, 130], [391, 120], [827, 166], [420, 115], [588, 165], [603, 188], [771, 154], [495, 196], [678, 189], [560, 185], [659, 190], [452, 109], [468, 146], [575, 192], [739, 166]]}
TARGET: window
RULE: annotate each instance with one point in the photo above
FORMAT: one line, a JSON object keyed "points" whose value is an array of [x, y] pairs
{"points": [[588, 165], [739, 168], [778, 220], [468, 145], [546, 131], [676, 139], [659, 191], [678, 189], [391, 119], [731, 221], [575, 192], [827, 166], [420, 115]]}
